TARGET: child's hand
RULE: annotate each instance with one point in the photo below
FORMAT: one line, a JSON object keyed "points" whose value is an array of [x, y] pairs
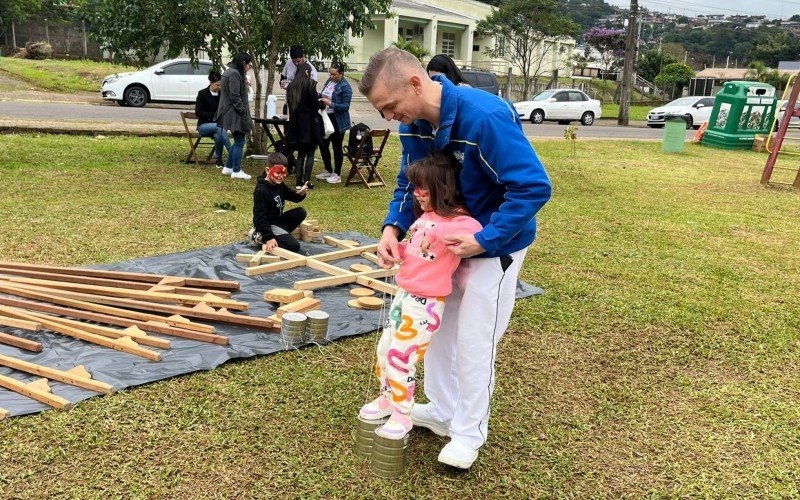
{"points": [[304, 189], [269, 245]]}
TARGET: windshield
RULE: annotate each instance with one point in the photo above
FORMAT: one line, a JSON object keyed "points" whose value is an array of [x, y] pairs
{"points": [[683, 101], [547, 94]]}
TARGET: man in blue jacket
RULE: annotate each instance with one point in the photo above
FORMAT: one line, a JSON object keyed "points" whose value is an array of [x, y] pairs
{"points": [[504, 185]]}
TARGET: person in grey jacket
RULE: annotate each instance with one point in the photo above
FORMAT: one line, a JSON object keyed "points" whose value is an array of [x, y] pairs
{"points": [[234, 111]]}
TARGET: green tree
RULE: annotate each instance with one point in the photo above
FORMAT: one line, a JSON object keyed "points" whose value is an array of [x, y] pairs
{"points": [[17, 11], [652, 62], [774, 47], [138, 30], [585, 12], [759, 72], [675, 76], [524, 31], [412, 46]]}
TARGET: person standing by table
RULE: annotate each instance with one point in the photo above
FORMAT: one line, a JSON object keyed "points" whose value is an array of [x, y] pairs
{"points": [[336, 95], [234, 112]]}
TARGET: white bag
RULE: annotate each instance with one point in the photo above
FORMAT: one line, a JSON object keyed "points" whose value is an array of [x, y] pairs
{"points": [[327, 125]]}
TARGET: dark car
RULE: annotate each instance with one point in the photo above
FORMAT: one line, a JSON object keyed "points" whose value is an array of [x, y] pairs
{"points": [[483, 80]]}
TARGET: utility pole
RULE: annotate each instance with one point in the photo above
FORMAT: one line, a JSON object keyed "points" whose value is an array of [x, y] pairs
{"points": [[627, 68]]}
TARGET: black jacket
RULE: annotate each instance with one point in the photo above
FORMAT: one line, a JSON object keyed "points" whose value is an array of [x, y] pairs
{"points": [[305, 125], [205, 106], [268, 202]]}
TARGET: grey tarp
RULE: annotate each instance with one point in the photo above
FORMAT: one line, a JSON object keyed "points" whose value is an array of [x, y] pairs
{"points": [[124, 370]]}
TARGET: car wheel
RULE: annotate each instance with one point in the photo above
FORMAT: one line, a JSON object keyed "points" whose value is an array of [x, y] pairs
{"points": [[537, 117], [563, 122], [689, 121], [135, 96], [587, 118]]}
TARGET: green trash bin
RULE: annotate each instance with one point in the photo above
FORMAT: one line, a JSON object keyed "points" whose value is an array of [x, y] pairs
{"points": [[741, 111], [674, 133]]}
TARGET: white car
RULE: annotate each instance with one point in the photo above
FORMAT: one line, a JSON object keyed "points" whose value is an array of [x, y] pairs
{"points": [[561, 105], [175, 80], [694, 110], [794, 122]]}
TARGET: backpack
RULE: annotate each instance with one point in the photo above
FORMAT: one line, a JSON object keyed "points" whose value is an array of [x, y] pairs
{"points": [[356, 134]]}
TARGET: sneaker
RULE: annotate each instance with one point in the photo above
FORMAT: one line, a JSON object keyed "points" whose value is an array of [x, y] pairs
{"points": [[219, 164], [396, 427], [311, 185], [421, 418], [377, 409], [458, 453], [324, 175], [298, 187], [227, 171], [241, 174], [333, 179]]}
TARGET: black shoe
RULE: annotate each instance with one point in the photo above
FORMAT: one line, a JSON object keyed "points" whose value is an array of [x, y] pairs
{"points": [[220, 164], [311, 185]]}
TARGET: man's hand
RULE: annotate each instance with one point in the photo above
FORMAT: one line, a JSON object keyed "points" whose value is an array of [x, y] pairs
{"points": [[464, 245], [269, 245], [388, 251]]}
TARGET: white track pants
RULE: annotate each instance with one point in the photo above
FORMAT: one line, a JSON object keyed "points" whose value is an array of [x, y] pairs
{"points": [[459, 363]]}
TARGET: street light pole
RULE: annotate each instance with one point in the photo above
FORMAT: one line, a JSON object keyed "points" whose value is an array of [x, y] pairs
{"points": [[627, 69]]}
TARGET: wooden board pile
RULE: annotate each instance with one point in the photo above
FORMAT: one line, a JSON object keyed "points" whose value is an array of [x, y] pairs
{"points": [[123, 308]]}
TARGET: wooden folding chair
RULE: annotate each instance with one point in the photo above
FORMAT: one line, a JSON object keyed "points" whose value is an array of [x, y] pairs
{"points": [[362, 161], [196, 141]]}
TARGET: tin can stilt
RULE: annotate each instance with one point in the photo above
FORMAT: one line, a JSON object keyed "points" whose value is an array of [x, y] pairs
{"points": [[364, 436], [293, 327], [388, 458], [316, 327]]}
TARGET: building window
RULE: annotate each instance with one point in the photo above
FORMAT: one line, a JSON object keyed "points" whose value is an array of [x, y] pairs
{"points": [[449, 44], [500, 46], [476, 48], [407, 34]]}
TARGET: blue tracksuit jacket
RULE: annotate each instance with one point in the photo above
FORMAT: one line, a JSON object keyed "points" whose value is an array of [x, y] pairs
{"points": [[503, 182]]}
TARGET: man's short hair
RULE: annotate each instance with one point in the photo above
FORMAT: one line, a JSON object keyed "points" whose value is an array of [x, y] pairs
{"points": [[296, 51], [392, 60]]}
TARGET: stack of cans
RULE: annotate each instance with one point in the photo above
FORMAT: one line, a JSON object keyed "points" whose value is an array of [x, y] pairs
{"points": [[365, 435], [316, 327], [388, 457], [293, 326]]}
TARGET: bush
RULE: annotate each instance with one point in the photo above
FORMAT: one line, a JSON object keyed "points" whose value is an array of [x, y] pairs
{"points": [[38, 50]]}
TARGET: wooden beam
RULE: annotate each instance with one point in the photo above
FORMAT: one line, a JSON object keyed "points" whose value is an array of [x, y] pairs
{"points": [[350, 277], [18, 323], [125, 344], [34, 392], [28, 345], [167, 284], [248, 257], [377, 285], [132, 331], [4, 414], [276, 266], [302, 305], [133, 294], [147, 278], [62, 376], [283, 295]]}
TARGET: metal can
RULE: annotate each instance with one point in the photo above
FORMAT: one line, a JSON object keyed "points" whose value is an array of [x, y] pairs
{"points": [[316, 326]]}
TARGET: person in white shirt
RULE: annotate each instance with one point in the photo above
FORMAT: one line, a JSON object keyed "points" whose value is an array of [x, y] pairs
{"points": [[296, 57]]}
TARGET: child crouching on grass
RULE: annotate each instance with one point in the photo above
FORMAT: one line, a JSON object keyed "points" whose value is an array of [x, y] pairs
{"points": [[272, 227], [424, 280]]}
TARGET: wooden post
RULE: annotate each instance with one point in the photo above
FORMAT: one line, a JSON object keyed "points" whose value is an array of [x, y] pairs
{"points": [[68, 377], [35, 392]]}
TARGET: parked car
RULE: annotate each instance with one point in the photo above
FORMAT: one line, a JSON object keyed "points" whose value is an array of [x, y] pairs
{"points": [[561, 105], [694, 110], [175, 80], [483, 80], [794, 122]]}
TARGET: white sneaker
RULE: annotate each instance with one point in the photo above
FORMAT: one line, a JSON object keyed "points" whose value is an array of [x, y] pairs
{"points": [[421, 418], [333, 179], [241, 174], [458, 453], [227, 171], [324, 175]]}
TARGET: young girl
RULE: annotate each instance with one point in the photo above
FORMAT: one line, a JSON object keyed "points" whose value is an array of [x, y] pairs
{"points": [[424, 281]]}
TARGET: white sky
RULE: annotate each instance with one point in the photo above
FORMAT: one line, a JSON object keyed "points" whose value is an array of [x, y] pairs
{"points": [[773, 9]]}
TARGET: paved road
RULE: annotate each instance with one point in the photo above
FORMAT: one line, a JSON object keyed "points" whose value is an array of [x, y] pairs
{"points": [[168, 114]]}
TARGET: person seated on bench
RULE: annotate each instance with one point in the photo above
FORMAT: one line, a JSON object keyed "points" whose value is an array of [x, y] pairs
{"points": [[272, 226], [205, 107]]}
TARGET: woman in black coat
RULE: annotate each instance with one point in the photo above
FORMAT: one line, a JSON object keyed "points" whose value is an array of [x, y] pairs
{"points": [[304, 130]]}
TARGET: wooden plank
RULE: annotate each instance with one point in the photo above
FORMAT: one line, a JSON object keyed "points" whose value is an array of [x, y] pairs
{"points": [[133, 294], [169, 284], [344, 253], [4, 414], [28, 345], [313, 284], [67, 377], [283, 295], [247, 257], [124, 344], [150, 322], [147, 278], [302, 305], [275, 266], [377, 285], [34, 393], [18, 323], [132, 331], [326, 268]]}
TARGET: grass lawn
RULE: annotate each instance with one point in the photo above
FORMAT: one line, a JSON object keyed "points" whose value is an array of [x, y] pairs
{"points": [[635, 113], [661, 362], [61, 75]]}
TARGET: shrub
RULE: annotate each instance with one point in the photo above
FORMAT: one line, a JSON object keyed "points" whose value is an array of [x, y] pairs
{"points": [[38, 50]]}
